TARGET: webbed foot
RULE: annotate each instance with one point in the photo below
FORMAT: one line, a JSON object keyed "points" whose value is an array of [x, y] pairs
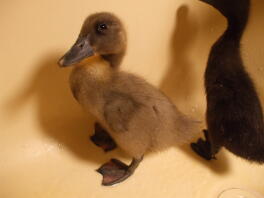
{"points": [[203, 149], [102, 139], [116, 171]]}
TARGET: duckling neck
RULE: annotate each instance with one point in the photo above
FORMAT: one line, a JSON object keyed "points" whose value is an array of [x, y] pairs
{"points": [[114, 59], [94, 70], [90, 78]]}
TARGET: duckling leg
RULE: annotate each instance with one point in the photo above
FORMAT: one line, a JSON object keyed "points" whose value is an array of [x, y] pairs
{"points": [[102, 139], [204, 148], [116, 171]]}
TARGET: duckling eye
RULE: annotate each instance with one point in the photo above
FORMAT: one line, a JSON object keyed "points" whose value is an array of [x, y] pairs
{"points": [[101, 28]]}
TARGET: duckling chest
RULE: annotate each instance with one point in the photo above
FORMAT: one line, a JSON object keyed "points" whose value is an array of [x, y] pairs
{"points": [[87, 90]]}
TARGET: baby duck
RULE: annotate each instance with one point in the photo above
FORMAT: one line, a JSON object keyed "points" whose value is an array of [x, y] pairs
{"points": [[137, 116], [234, 112]]}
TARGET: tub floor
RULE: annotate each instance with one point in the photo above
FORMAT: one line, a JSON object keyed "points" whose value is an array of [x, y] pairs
{"points": [[44, 144]]}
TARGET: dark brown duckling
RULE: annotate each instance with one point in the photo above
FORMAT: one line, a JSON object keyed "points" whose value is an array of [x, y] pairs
{"points": [[136, 115], [234, 112]]}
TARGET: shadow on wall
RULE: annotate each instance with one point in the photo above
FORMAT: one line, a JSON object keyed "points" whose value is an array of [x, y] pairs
{"points": [[178, 83], [57, 111]]}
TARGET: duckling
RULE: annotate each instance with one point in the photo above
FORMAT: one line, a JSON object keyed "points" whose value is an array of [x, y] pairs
{"points": [[131, 113], [234, 113]]}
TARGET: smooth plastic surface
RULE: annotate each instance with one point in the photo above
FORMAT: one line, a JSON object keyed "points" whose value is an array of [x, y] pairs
{"points": [[45, 151]]}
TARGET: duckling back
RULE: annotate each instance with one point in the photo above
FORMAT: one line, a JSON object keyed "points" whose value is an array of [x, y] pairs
{"points": [[155, 116], [149, 121]]}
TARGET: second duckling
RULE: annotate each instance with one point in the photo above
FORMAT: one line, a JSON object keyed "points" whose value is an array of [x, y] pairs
{"points": [[234, 112], [136, 115]]}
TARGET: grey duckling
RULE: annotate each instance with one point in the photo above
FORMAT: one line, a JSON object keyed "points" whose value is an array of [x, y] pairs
{"points": [[234, 112], [130, 112]]}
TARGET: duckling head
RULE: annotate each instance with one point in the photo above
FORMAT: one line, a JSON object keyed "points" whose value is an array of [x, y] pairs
{"points": [[102, 34]]}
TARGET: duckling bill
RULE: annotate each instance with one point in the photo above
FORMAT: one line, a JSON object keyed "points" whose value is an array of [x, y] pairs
{"points": [[131, 113], [80, 50], [234, 112]]}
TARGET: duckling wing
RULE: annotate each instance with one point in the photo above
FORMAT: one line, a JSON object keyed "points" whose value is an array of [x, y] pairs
{"points": [[119, 109]]}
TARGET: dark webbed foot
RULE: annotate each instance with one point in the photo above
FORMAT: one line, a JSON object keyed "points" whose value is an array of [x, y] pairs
{"points": [[116, 171], [102, 139], [203, 149]]}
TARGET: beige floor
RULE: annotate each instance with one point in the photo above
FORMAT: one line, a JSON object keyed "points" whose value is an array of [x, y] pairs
{"points": [[44, 145]]}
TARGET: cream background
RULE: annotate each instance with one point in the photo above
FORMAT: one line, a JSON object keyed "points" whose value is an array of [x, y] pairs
{"points": [[44, 145]]}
